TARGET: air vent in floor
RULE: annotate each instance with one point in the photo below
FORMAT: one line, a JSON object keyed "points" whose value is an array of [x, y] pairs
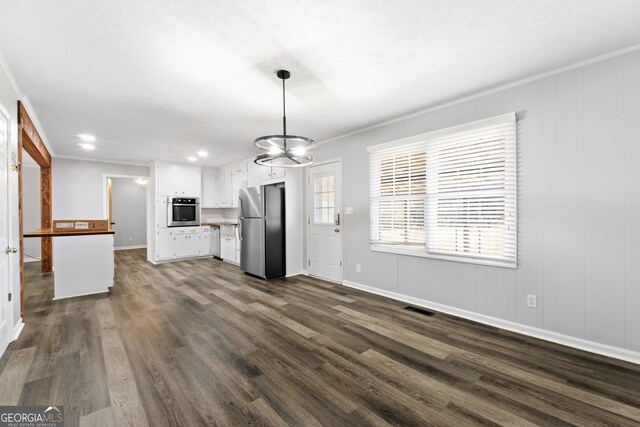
{"points": [[420, 310]]}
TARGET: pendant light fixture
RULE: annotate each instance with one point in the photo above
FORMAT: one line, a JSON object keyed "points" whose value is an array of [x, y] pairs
{"points": [[288, 151]]}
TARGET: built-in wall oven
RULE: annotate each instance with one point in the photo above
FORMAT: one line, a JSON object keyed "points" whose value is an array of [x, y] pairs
{"points": [[183, 212]]}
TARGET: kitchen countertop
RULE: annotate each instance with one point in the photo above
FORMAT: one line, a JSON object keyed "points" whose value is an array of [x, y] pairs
{"points": [[219, 223], [49, 232]]}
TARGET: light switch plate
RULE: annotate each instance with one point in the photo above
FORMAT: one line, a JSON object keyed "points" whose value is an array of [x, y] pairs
{"points": [[348, 210]]}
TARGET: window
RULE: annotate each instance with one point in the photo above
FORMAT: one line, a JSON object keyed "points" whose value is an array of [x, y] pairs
{"points": [[448, 194], [323, 200]]}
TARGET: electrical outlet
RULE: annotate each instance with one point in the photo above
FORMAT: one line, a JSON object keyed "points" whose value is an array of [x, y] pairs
{"points": [[358, 268], [532, 301]]}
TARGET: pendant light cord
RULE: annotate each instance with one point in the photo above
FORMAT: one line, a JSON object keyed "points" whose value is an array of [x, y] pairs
{"points": [[284, 109]]}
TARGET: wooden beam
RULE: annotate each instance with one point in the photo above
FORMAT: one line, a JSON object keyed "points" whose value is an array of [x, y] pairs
{"points": [[32, 144], [29, 139], [45, 219]]}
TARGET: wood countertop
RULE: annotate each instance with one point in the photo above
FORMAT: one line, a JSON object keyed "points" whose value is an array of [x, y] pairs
{"points": [[49, 232], [218, 223]]}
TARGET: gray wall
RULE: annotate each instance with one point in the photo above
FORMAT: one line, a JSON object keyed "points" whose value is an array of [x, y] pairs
{"points": [[579, 207], [31, 208], [129, 212], [78, 188]]}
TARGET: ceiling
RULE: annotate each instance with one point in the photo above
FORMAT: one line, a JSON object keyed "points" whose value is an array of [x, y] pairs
{"points": [[164, 79]]}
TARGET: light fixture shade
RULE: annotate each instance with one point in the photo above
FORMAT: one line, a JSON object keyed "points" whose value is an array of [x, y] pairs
{"points": [[284, 160], [289, 141], [284, 151]]}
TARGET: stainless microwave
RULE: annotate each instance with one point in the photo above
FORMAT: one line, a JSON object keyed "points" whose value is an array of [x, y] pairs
{"points": [[183, 212]]}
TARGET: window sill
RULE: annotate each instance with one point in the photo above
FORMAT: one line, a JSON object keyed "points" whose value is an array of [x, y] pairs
{"points": [[422, 253]]}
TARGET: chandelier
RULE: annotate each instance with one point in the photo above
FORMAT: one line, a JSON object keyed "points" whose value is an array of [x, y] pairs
{"points": [[288, 151]]}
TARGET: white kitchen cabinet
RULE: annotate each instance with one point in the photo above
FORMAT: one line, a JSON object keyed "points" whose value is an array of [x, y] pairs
{"points": [[205, 241], [209, 188], [190, 181], [277, 173], [164, 244], [169, 179], [259, 174], [228, 249], [238, 181], [224, 188], [179, 180], [161, 212], [186, 245]]}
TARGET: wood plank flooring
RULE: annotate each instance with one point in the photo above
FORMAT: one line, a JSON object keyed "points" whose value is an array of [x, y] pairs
{"points": [[199, 343]]}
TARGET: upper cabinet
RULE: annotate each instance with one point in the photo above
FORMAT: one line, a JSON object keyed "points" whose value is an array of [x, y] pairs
{"points": [[179, 180], [209, 188], [238, 181], [224, 188], [259, 174], [230, 180]]}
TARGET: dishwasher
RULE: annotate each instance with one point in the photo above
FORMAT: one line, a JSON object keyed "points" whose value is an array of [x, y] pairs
{"points": [[215, 241]]}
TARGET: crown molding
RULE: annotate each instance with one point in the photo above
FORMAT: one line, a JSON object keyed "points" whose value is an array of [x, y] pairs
{"points": [[90, 159]]}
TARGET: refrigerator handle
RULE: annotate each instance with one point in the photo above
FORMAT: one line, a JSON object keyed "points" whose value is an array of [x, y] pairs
{"points": [[240, 215]]}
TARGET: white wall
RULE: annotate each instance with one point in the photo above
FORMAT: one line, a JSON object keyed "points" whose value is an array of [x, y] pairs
{"points": [[31, 208], [579, 208], [129, 204], [9, 101], [78, 188]]}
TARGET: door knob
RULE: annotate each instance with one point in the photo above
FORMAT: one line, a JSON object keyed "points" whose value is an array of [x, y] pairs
{"points": [[337, 230], [11, 250]]}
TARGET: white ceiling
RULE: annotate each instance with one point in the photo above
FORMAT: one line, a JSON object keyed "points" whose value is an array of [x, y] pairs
{"points": [[163, 79]]}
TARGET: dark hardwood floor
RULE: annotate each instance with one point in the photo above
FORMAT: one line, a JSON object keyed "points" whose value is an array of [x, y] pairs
{"points": [[199, 343]]}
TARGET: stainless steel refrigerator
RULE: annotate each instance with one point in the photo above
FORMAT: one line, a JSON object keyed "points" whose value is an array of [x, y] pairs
{"points": [[261, 224]]}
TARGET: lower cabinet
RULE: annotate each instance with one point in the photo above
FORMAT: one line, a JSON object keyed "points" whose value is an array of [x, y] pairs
{"points": [[205, 241], [164, 244], [228, 249], [176, 243], [186, 245]]}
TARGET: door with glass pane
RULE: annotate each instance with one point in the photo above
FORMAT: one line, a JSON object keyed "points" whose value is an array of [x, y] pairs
{"points": [[325, 221]]}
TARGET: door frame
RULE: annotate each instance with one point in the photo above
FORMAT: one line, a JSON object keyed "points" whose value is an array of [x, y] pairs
{"points": [[307, 202], [9, 305]]}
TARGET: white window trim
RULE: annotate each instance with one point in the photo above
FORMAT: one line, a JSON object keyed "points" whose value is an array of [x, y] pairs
{"points": [[422, 251]]}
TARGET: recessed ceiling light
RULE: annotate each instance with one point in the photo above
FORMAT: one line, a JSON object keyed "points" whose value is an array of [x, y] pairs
{"points": [[192, 158], [203, 153], [86, 137], [87, 146]]}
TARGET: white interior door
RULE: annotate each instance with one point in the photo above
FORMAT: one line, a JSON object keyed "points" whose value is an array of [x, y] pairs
{"points": [[325, 221], [4, 233]]}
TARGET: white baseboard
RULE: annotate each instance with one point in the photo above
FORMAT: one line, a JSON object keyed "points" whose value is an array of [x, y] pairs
{"points": [[166, 261], [126, 248], [17, 330], [84, 294], [579, 343]]}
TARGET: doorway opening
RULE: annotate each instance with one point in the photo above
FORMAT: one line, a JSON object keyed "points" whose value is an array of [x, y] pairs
{"points": [[125, 206]]}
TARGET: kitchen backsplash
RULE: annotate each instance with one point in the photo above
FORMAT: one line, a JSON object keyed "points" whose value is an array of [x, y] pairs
{"points": [[209, 215]]}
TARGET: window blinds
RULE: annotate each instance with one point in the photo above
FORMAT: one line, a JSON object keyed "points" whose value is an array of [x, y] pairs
{"points": [[453, 191], [398, 194]]}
